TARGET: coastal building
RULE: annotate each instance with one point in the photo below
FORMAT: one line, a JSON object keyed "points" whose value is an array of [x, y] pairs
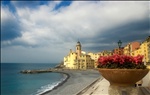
{"points": [[130, 47], [144, 49], [134, 46], [82, 60], [118, 51], [127, 49], [148, 48], [106, 53], [95, 57], [78, 59], [136, 52]]}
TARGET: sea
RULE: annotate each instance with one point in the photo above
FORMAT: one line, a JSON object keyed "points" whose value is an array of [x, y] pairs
{"points": [[15, 83]]}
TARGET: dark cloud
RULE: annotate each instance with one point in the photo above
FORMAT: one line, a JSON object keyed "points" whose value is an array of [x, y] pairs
{"points": [[133, 31], [10, 29]]}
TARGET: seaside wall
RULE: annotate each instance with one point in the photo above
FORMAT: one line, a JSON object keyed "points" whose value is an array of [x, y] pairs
{"points": [[146, 80]]}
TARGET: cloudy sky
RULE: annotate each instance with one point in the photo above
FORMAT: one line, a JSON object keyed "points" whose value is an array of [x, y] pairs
{"points": [[45, 31]]}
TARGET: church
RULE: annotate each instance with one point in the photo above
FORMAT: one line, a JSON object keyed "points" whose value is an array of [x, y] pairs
{"points": [[78, 59]]}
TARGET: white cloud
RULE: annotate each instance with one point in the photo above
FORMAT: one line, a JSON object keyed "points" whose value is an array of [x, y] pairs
{"points": [[45, 27], [5, 13]]}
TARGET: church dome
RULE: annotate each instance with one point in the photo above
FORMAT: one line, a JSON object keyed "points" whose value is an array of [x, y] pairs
{"points": [[78, 43]]}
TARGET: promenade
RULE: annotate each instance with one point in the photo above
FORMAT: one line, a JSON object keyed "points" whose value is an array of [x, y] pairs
{"points": [[101, 87]]}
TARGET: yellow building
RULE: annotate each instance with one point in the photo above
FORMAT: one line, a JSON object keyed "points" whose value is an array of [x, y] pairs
{"points": [[130, 47], [106, 53], [144, 49], [126, 50], [148, 45], [78, 59], [95, 57], [136, 52]]}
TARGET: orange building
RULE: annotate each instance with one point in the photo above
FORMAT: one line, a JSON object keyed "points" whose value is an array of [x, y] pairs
{"points": [[118, 51], [134, 46]]}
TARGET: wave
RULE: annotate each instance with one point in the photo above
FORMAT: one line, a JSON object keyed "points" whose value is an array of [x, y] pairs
{"points": [[50, 87]]}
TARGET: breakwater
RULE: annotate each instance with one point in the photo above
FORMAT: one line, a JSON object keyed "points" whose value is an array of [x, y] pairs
{"points": [[41, 71]]}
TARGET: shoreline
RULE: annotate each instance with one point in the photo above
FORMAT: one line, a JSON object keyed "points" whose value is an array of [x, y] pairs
{"points": [[60, 84], [76, 81]]}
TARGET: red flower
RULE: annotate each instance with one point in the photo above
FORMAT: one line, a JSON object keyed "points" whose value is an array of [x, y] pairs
{"points": [[121, 61], [138, 59]]}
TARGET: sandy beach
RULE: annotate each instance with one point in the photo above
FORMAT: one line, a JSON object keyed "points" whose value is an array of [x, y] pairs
{"points": [[77, 81]]}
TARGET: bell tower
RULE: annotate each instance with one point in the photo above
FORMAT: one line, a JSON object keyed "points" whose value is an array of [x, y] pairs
{"points": [[78, 49]]}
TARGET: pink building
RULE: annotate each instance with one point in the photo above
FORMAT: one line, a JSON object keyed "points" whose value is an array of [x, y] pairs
{"points": [[134, 46]]}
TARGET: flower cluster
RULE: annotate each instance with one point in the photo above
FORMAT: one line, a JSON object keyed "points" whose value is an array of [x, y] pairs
{"points": [[121, 61]]}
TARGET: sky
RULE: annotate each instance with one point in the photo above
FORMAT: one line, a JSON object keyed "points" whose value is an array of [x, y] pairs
{"points": [[45, 31]]}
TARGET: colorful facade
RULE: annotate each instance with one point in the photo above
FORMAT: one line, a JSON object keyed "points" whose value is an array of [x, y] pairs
{"points": [[127, 49], [118, 51], [148, 48], [95, 57], [130, 47], [144, 49], [106, 53], [78, 59]]}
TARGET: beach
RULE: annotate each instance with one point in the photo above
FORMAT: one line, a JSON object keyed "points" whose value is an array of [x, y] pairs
{"points": [[76, 82]]}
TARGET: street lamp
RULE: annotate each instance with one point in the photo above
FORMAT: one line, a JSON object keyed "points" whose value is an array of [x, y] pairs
{"points": [[119, 43]]}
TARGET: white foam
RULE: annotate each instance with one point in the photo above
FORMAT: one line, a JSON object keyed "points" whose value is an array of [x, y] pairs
{"points": [[49, 87]]}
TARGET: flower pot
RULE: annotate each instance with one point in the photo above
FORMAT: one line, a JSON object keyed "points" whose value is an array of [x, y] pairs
{"points": [[123, 77]]}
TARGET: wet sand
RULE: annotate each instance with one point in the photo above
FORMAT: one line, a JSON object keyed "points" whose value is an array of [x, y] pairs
{"points": [[76, 82]]}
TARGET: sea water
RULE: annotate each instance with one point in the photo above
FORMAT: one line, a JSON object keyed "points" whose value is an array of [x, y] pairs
{"points": [[15, 83]]}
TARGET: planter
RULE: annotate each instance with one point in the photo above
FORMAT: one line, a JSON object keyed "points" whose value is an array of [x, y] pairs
{"points": [[123, 77]]}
